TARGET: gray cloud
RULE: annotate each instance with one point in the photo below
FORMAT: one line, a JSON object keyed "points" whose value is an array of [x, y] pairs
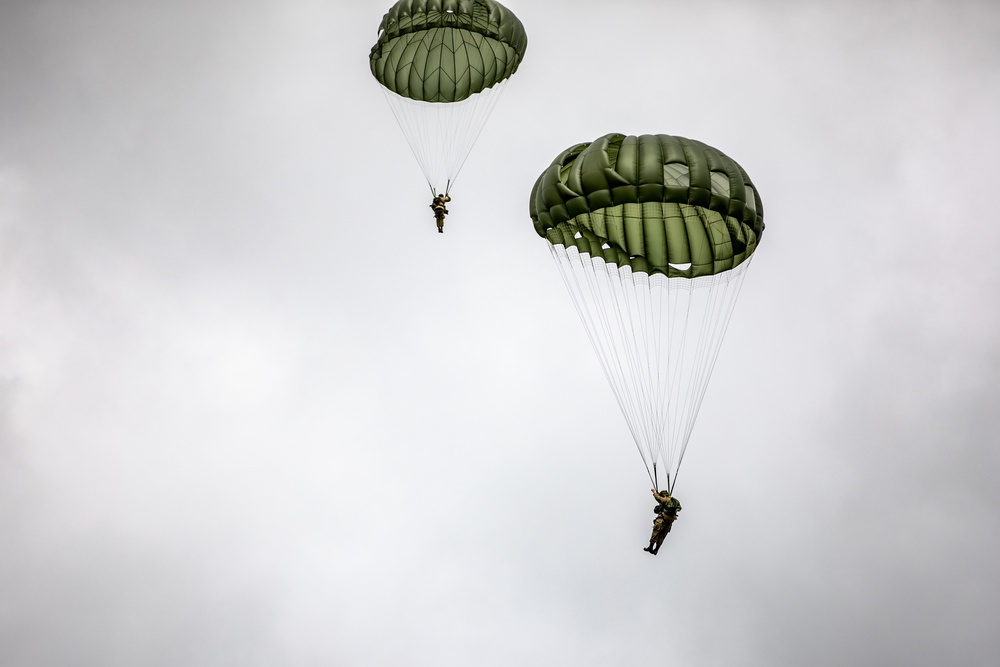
{"points": [[253, 410]]}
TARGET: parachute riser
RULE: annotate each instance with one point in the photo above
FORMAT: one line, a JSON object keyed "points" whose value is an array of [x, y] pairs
{"points": [[435, 193], [656, 481]]}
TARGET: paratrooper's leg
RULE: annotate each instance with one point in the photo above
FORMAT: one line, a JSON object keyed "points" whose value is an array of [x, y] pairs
{"points": [[666, 525], [655, 539]]}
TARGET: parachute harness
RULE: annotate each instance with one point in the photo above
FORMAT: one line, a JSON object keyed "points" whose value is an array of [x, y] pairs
{"points": [[657, 339]]}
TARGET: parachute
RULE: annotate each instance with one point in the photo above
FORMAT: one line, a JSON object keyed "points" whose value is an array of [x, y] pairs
{"points": [[442, 65], [653, 236]]}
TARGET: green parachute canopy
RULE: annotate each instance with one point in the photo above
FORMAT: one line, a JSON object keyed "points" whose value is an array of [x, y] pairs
{"points": [[652, 236], [446, 50], [655, 203]]}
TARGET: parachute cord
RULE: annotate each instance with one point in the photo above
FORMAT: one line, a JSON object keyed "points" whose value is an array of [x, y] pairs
{"points": [[619, 359], [650, 352], [441, 135], [728, 305], [695, 378], [661, 395], [659, 361], [679, 318], [614, 353], [610, 361], [635, 295], [571, 265], [630, 348]]}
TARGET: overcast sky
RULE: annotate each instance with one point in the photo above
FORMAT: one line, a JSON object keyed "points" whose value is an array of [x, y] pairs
{"points": [[254, 410]]}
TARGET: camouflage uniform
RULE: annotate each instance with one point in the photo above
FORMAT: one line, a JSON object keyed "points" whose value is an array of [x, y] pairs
{"points": [[438, 206], [666, 513]]}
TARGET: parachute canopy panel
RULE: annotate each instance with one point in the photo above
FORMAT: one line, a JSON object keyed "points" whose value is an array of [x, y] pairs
{"points": [[654, 203], [446, 50]]}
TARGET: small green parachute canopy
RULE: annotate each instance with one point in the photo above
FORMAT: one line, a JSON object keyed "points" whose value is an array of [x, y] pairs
{"points": [[657, 203], [446, 50], [443, 65], [652, 236]]}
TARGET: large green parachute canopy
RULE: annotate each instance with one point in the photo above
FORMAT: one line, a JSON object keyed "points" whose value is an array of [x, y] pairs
{"points": [[652, 236], [446, 50], [657, 203], [442, 65]]}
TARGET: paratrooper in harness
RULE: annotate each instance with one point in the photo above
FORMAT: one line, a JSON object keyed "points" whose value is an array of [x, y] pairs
{"points": [[438, 206], [666, 513]]}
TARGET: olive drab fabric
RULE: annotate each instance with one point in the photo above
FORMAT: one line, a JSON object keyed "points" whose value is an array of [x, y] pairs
{"points": [[655, 203], [446, 50]]}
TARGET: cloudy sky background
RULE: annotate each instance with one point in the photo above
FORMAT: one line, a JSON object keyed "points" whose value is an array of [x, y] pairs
{"points": [[254, 410]]}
